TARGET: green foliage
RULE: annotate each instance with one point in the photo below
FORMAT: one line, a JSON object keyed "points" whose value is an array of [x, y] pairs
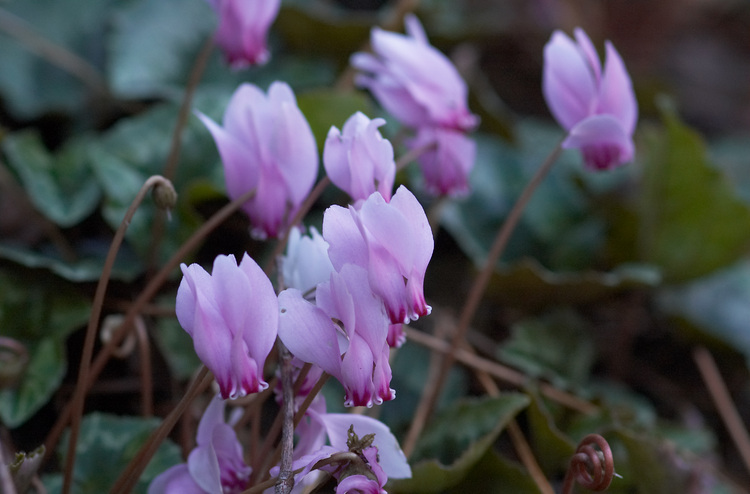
{"points": [[60, 186], [40, 313], [714, 305], [460, 436], [105, 446], [554, 347], [692, 222]]}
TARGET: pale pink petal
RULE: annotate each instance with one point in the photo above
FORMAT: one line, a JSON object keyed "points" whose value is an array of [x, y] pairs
{"points": [[346, 244], [358, 484], [616, 93], [568, 83], [392, 459], [308, 332], [175, 480]]}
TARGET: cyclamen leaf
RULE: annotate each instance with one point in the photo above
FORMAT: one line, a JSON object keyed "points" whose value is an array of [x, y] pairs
{"points": [[106, 445], [60, 185], [692, 221], [461, 435]]}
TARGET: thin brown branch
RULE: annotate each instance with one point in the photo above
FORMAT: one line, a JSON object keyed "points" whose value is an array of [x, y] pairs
{"points": [[424, 410], [724, 403], [79, 395]]}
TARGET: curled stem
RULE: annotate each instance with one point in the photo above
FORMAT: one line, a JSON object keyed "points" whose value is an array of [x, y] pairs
{"points": [[82, 384], [593, 469]]}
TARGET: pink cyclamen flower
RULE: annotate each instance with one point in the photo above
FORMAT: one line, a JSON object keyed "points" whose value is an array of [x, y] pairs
{"points": [[392, 241], [358, 160], [243, 28], [413, 80], [446, 161], [353, 349], [597, 107], [232, 316], [266, 145], [215, 466]]}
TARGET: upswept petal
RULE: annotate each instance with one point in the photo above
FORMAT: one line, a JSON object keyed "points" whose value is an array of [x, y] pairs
{"points": [[262, 312], [346, 244], [388, 228], [616, 93], [356, 374], [240, 174], [293, 144], [204, 468], [308, 332], [306, 263], [568, 82], [589, 53], [422, 240], [392, 459]]}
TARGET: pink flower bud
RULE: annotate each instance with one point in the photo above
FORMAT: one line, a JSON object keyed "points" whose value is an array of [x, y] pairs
{"points": [[243, 27], [358, 160], [266, 145], [597, 107], [231, 336]]}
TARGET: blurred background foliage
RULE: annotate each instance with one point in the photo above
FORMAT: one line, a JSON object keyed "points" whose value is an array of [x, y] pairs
{"points": [[609, 282]]}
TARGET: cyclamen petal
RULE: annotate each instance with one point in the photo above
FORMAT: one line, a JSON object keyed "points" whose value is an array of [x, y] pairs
{"points": [[413, 80], [243, 27], [597, 107], [215, 466], [266, 145], [446, 160], [231, 336], [392, 241], [358, 160]]}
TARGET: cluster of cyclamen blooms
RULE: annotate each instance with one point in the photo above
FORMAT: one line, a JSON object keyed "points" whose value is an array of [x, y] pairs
{"points": [[348, 291]]}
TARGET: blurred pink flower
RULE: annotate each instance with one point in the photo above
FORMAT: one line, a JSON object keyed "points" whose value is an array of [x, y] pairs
{"points": [[243, 28], [446, 161], [266, 145], [232, 316], [358, 160], [413, 80], [392, 241], [215, 466], [597, 107]]}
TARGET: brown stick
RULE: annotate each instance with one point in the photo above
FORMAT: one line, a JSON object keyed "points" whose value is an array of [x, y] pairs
{"points": [[723, 401]]}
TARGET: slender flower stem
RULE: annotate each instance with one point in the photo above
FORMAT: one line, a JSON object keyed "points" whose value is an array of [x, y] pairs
{"points": [[129, 477], [79, 395], [269, 460], [432, 390], [724, 404], [173, 158], [143, 298], [285, 482]]}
